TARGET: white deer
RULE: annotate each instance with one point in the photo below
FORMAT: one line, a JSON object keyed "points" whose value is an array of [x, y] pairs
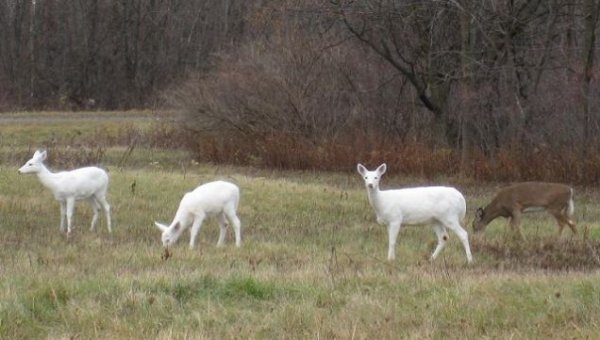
{"points": [[443, 207], [217, 198], [89, 183]]}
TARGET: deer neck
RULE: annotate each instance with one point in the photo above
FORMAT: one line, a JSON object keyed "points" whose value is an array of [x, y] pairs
{"points": [[490, 213], [374, 195], [47, 178]]}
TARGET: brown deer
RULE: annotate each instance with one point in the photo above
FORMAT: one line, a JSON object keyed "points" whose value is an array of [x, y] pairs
{"points": [[514, 200]]}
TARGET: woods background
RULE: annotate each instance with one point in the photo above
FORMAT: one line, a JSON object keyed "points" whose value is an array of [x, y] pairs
{"points": [[493, 90]]}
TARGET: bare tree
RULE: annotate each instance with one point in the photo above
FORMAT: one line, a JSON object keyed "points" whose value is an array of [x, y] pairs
{"points": [[591, 10], [416, 39], [116, 53]]}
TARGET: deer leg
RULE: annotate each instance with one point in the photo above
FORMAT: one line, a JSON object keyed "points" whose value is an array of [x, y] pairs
{"points": [[567, 215], [101, 199], [96, 207], [63, 212], [515, 223], [237, 228], [558, 217], [560, 228], [195, 229], [223, 232], [463, 236], [70, 206], [572, 225], [561, 220], [442, 236], [393, 230]]}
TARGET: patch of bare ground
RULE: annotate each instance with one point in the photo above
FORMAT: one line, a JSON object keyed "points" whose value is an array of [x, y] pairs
{"points": [[549, 253]]}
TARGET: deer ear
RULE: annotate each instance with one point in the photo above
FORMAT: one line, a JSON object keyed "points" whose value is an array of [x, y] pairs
{"points": [[381, 169], [43, 155], [176, 226], [361, 169], [160, 226]]}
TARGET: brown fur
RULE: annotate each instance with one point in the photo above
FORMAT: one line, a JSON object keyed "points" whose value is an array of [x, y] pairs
{"points": [[513, 200]]}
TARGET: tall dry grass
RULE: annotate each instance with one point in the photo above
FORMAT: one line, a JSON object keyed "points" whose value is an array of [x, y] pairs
{"points": [[286, 151]]}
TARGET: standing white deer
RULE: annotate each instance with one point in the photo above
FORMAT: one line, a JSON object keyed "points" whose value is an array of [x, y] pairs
{"points": [[443, 207], [89, 183], [217, 198]]}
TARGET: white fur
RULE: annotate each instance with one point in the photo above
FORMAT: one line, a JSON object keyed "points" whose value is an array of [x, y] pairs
{"points": [[89, 183], [217, 198], [571, 205], [443, 207]]}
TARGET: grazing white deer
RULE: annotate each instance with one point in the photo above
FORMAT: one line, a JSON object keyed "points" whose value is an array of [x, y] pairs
{"points": [[514, 200], [217, 198], [89, 183], [443, 207]]}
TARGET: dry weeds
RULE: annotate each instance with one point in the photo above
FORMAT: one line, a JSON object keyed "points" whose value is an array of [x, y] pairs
{"points": [[550, 252]]}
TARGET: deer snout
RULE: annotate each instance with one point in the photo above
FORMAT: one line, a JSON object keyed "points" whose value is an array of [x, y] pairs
{"points": [[370, 185], [23, 169]]}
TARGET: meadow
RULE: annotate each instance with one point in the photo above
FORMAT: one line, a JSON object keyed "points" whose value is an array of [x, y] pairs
{"points": [[312, 262]]}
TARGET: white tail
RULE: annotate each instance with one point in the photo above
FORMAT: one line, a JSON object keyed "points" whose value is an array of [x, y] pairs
{"points": [[514, 200], [443, 207], [217, 198], [89, 183]]}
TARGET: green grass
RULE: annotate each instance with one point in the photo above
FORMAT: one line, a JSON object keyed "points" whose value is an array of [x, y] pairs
{"points": [[311, 265]]}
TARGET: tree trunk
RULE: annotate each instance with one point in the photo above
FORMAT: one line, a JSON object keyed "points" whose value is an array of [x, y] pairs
{"points": [[465, 127], [591, 17], [32, 60]]}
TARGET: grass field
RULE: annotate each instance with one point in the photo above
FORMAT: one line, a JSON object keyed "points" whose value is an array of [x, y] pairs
{"points": [[311, 265]]}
